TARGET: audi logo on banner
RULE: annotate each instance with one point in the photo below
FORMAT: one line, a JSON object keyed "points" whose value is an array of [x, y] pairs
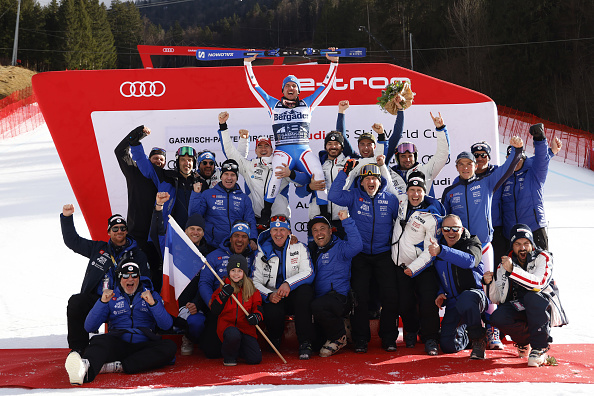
{"points": [[168, 50], [138, 89], [300, 226]]}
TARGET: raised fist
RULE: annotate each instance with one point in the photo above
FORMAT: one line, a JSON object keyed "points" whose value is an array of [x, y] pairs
{"points": [[67, 210], [349, 165]]}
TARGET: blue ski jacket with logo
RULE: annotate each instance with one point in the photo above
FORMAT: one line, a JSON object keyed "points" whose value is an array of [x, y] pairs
{"points": [[471, 199], [221, 208], [134, 318], [332, 263], [374, 217], [522, 195]]}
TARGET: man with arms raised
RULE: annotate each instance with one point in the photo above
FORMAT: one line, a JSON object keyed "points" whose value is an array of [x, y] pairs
{"points": [[291, 117], [470, 199], [374, 210], [100, 274], [258, 171]]}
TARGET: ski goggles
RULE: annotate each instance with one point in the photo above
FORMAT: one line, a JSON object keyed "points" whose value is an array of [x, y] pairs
{"points": [[229, 167], [157, 151], [404, 147], [185, 150], [279, 221], [133, 275], [448, 229], [119, 228], [370, 170]]}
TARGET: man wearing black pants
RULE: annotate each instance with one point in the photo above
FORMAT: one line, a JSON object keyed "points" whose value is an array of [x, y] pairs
{"points": [[141, 198], [374, 210], [332, 259]]}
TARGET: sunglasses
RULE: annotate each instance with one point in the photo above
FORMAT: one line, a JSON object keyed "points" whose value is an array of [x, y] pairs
{"points": [[229, 167], [448, 229], [158, 149], [126, 276], [404, 147], [209, 163], [119, 228], [186, 150], [278, 218], [481, 155]]}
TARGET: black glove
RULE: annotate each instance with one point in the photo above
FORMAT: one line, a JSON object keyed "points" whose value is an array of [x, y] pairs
{"points": [[226, 292], [349, 165], [254, 318], [135, 136], [537, 132]]}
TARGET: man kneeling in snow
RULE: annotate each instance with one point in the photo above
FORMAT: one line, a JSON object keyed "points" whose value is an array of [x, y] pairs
{"points": [[131, 310], [527, 296]]}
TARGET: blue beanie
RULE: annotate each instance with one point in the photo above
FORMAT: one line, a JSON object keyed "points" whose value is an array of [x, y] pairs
{"points": [[291, 78]]}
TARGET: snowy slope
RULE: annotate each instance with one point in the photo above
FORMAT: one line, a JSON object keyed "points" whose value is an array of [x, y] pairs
{"points": [[40, 273]]}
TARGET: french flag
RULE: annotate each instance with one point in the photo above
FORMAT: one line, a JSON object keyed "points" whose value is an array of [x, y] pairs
{"points": [[180, 265]]}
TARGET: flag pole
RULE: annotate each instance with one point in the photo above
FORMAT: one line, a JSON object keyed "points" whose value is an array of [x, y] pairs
{"points": [[187, 240]]}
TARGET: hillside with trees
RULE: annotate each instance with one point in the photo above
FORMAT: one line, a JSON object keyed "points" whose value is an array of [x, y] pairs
{"points": [[535, 56]]}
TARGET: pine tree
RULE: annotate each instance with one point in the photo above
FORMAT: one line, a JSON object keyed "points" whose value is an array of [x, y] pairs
{"points": [[104, 52], [127, 29]]}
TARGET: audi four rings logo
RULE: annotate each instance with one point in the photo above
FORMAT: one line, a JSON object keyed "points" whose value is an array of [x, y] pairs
{"points": [[137, 89], [168, 50], [300, 226]]}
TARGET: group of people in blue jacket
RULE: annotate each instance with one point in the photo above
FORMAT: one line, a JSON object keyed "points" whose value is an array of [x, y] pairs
{"points": [[376, 235]]}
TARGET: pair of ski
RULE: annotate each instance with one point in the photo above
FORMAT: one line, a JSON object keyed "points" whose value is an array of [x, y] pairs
{"points": [[210, 54]]}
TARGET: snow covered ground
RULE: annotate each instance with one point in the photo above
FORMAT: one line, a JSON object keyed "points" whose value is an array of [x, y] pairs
{"points": [[40, 273]]}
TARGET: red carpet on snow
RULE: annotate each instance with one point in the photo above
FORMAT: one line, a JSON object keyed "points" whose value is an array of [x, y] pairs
{"points": [[44, 369]]}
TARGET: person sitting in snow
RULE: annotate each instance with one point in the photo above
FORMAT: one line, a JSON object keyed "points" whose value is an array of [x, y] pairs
{"points": [[132, 310]]}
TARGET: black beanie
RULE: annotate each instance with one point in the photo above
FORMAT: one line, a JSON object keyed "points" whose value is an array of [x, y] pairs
{"points": [[521, 231], [416, 179], [195, 220], [230, 165], [334, 136], [115, 220], [237, 261], [157, 151], [481, 146]]}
